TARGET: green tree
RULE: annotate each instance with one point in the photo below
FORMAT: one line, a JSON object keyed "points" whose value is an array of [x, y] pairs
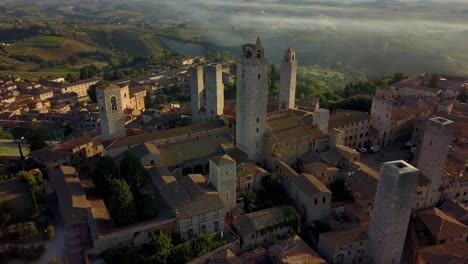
{"points": [[161, 247], [121, 202], [250, 202], [73, 59], [123, 256], [36, 136], [89, 71], [181, 254], [4, 134], [132, 171], [148, 99], [92, 90], [104, 171]]}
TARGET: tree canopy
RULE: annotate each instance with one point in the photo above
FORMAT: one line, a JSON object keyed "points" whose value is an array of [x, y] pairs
{"points": [[121, 202]]}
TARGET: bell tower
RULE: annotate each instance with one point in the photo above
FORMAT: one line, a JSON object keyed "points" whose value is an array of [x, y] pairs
{"points": [[251, 100], [110, 112]]}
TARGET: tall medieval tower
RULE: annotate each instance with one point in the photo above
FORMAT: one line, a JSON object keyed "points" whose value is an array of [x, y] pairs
{"points": [[381, 112], [432, 154], [394, 200], [197, 96], [223, 179], [288, 71], [251, 108], [214, 90], [110, 112]]}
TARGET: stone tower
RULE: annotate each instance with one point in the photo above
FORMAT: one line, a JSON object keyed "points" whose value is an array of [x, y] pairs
{"points": [[223, 179], [394, 201], [197, 96], [288, 71], [214, 90], [432, 154], [321, 119], [110, 112], [251, 108], [381, 112]]}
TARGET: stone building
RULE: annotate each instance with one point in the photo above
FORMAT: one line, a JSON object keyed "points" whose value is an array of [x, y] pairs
{"points": [[325, 173], [79, 153], [255, 229], [223, 179], [432, 154], [394, 201], [196, 204], [288, 73], [355, 126], [288, 138], [214, 90], [79, 87], [251, 98], [132, 98], [249, 178], [344, 246], [110, 112], [311, 198]]}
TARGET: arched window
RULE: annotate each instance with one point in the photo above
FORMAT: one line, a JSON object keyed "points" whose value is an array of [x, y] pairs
{"points": [[216, 226], [113, 103], [339, 258], [203, 229]]}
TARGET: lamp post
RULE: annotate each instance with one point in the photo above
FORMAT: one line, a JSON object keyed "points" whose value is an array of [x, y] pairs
{"points": [[21, 152]]}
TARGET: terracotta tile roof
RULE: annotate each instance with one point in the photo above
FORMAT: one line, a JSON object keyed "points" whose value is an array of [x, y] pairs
{"points": [[225, 257], [309, 184], [340, 118], [180, 152], [294, 250], [456, 210], [223, 160], [204, 204], [448, 253], [441, 225], [259, 220], [164, 134], [341, 238]]}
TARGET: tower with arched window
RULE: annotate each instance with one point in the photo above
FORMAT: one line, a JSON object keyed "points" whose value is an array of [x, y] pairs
{"points": [[110, 112], [251, 100]]}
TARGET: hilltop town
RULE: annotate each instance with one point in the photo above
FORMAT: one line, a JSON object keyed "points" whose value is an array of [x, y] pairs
{"points": [[254, 178]]}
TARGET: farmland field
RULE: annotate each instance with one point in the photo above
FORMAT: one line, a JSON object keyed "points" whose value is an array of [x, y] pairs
{"points": [[130, 43]]}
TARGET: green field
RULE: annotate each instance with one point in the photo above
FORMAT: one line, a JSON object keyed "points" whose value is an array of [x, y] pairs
{"points": [[11, 149], [130, 43], [156, 44]]}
